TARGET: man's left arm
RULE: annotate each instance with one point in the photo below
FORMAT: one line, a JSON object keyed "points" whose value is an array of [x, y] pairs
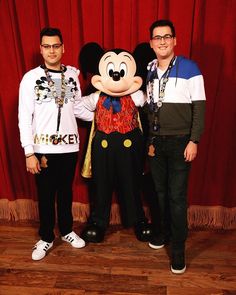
{"points": [[80, 111], [196, 85]]}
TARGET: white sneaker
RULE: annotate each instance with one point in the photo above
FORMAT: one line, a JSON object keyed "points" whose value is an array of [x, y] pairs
{"points": [[40, 249], [74, 240]]}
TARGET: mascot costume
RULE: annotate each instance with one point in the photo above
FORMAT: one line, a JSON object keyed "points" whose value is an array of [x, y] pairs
{"points": [[115, 151]]}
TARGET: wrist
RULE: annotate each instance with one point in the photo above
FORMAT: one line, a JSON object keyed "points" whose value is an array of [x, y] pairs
{"points": [[29, 155]]}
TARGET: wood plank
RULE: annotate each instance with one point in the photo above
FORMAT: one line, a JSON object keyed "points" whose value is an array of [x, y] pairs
{"points": [[119, 265]]}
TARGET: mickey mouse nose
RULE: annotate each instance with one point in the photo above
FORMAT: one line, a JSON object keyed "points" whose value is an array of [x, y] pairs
{"points": [[116, 76]]}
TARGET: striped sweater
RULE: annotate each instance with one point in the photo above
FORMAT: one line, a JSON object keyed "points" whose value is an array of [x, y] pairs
{"points": [[183, 106]]}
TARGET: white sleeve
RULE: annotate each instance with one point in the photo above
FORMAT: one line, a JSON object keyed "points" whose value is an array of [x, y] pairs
{"points": [[139, 98], [80, 110], [25, 114], [87, 106], [196, 88]]}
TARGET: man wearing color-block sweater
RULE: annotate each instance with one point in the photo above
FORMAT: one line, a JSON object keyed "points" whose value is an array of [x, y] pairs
{"points": [[176, 107]]}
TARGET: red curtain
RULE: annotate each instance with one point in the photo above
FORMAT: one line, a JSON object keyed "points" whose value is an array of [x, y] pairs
{"points": [[205, 33]]}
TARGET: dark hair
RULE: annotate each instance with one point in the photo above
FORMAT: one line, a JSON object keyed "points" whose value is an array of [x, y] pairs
{"points": [[162, 23], [50, 32]]}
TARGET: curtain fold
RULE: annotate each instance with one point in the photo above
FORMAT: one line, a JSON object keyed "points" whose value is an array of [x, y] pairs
{"points": [[206, 33]]}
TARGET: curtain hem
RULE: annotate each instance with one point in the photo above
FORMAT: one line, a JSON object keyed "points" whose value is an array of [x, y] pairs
{"points": [[215, 217]]}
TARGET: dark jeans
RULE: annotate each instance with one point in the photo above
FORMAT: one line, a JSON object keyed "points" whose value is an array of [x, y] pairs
{"points": [[54, 185], [170, 174]]}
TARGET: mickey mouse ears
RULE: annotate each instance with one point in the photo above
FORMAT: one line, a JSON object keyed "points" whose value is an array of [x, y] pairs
{"points": [[89, 58], [91, 53]]}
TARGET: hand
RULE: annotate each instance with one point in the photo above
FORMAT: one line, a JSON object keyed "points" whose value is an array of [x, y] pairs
{"points": [[151, 150], [33, 165], [190, 151]]}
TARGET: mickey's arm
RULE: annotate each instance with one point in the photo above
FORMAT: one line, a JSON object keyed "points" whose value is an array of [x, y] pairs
{"points": [[87, 105], [139, 98]]}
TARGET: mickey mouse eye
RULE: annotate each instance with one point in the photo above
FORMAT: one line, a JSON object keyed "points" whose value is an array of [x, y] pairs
{"points": [[123, 69], [110, 69]]}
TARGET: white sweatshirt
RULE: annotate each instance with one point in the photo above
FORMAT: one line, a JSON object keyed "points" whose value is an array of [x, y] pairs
{"points": [[38, 112]]}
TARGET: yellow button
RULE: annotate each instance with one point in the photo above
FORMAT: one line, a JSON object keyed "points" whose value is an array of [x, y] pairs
{"points": [[104, 143], [127, 143]]}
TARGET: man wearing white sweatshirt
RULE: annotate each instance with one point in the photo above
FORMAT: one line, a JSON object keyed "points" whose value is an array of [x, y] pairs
{"points": [[49, 98]]}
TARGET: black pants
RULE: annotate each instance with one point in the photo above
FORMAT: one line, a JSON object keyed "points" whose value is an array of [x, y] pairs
{"points": [[54, 185], [117, 165], [170, 174]]}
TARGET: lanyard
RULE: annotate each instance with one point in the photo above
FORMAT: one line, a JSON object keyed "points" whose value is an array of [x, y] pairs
{"points": [[161, 95], [58, 100], [162, 86]]}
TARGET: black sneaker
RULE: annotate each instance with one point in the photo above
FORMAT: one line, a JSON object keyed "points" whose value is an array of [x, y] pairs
{"points": [[157, 243], [178, 265]]}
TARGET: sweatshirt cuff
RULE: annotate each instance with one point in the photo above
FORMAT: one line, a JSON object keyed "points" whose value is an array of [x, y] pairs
{"points": [[29, 149]]}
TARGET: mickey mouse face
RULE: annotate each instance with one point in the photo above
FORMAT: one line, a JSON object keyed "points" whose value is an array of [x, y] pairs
{"points": [[117, 74]]}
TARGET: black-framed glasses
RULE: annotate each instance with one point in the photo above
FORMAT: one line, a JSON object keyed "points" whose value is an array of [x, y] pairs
{"points": [[166, 38], [53, 46]]}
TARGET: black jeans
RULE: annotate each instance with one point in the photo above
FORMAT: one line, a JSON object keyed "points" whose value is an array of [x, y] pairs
{"points": [[170, 174], [54, 185]]}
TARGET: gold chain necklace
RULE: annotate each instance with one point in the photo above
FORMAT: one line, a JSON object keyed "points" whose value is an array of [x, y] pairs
{"points": [[58, 100]]}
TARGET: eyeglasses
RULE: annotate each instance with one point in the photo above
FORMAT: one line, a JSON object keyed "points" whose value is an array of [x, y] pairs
{"points": [[159, 38], [53, 46]]}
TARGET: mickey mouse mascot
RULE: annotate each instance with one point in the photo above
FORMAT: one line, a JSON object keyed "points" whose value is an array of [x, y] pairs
{"points": [[117, 142]]}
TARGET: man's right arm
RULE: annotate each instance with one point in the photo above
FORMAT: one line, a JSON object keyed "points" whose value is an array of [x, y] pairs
{"points": [[25, 119], [25, 114]]}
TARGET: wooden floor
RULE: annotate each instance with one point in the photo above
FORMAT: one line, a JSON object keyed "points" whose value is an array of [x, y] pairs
{"points": [[119, 265]]}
